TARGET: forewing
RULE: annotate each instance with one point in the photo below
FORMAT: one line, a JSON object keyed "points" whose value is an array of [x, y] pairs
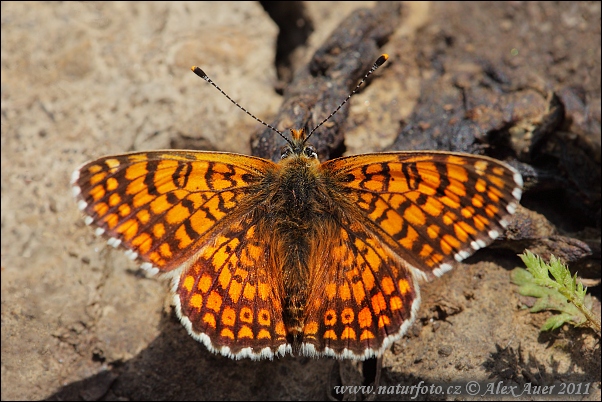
{"points": [[230, 297], [431, 208], [161, 206]]}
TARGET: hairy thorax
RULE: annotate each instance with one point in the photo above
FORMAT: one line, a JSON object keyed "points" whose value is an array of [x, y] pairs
{"points": [[298, 200]]}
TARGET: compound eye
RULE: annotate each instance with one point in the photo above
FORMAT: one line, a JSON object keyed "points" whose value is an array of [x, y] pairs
{"points": [[310, 152], [285, 152]]}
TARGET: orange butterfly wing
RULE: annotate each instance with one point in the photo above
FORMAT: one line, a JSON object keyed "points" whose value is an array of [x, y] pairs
{"points": [[362, 298], [431, 208], [162, 205], [230, 298], [411, 215], [187, 212]]}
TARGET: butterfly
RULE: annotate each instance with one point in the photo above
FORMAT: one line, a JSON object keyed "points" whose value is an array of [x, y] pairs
{"points": [[297, 256]]}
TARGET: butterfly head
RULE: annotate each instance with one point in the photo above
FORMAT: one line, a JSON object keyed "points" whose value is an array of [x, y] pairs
{"points": [[298, 146]]}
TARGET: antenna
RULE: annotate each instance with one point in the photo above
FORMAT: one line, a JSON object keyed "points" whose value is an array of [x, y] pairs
{"points": [[204, 76], [379, 62]]}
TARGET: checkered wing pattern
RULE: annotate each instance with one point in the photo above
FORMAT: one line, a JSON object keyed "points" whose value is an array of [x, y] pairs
{"points": [[430, 208], [230, 298], [162, 206], [362, 295]]}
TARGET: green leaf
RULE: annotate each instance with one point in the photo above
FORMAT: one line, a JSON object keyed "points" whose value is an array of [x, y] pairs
{"points": [[556, 321], [561, 292]]}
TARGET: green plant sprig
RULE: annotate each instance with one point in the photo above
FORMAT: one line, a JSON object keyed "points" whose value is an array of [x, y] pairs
{"points": [[561, 293]]}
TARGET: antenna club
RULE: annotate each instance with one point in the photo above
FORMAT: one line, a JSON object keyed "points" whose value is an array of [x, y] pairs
{"points": [[381, 60], [199, 72]]}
